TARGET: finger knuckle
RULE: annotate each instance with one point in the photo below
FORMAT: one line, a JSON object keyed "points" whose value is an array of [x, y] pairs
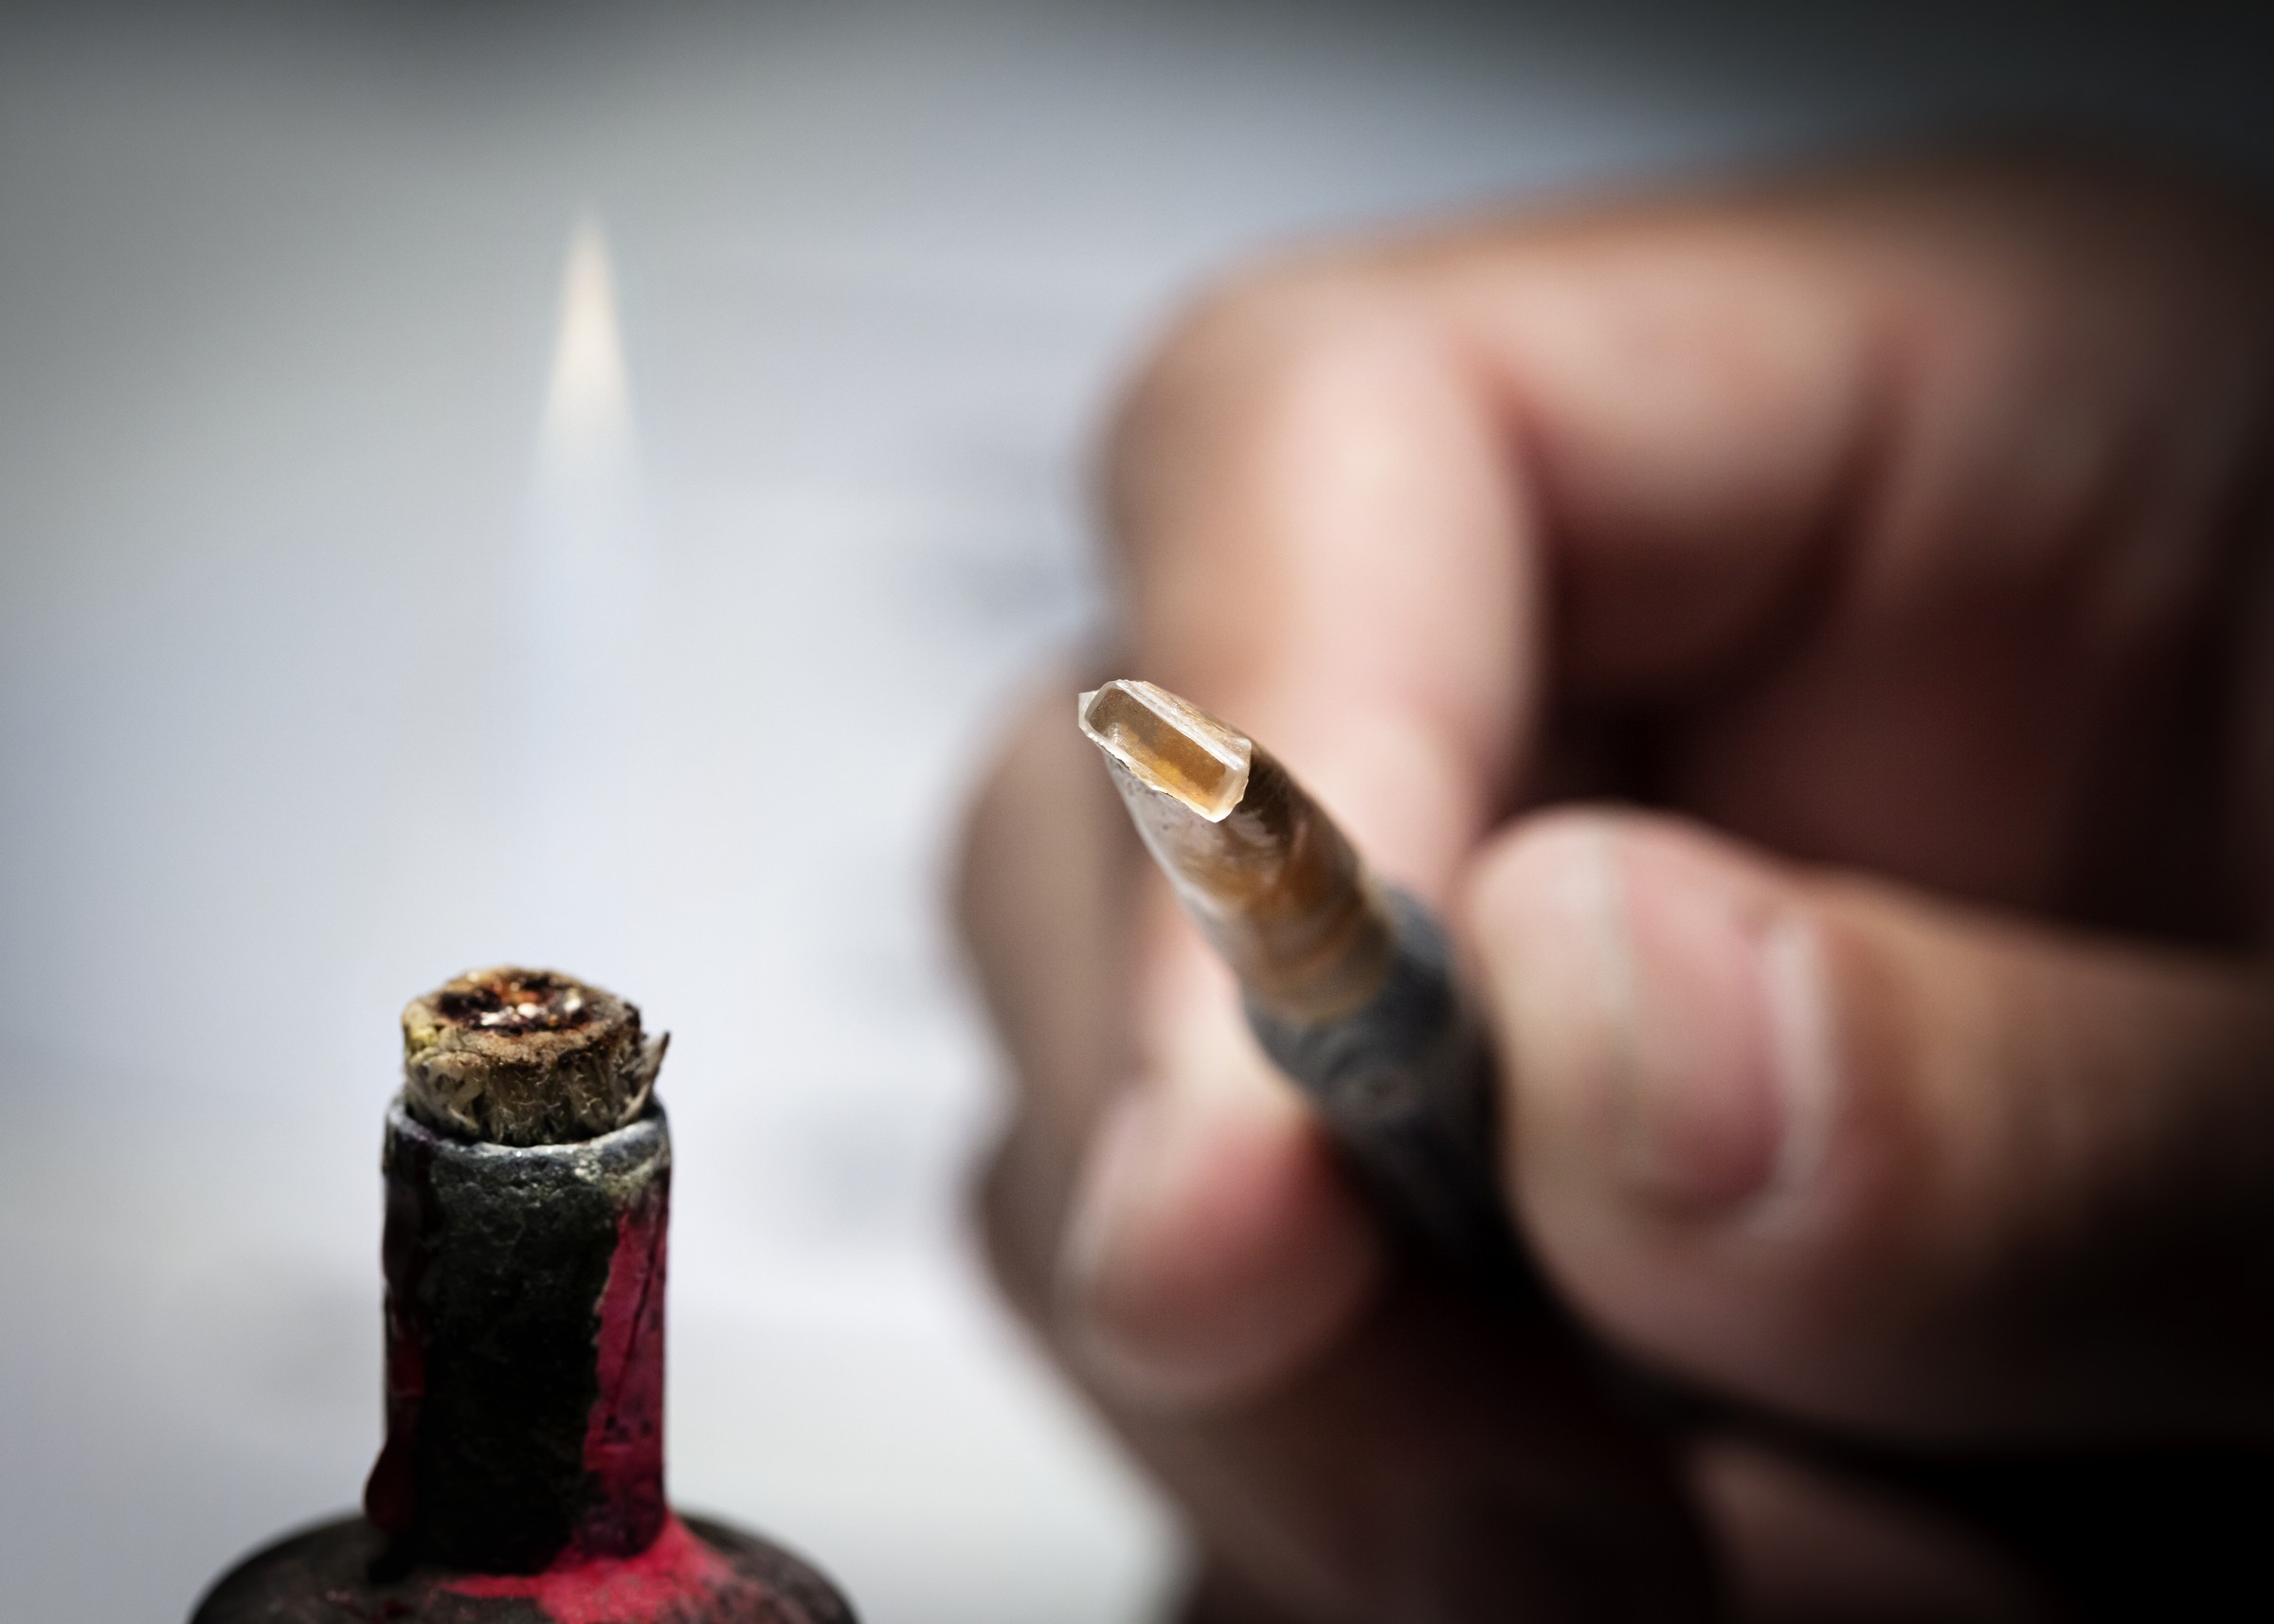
{"points": [[1272, 343]]}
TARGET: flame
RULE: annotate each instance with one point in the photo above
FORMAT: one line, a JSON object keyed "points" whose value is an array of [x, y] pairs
{"points": [[578, 590], [588, 401]]}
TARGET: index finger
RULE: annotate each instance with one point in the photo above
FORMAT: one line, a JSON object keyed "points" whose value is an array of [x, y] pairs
{"points": [[1345, 495]]}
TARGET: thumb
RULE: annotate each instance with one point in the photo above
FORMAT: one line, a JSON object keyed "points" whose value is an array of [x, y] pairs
{"points": [[1862, 1156]]}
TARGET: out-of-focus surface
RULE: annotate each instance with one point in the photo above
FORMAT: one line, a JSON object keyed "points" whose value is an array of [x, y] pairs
{"points": [[335, 661]]}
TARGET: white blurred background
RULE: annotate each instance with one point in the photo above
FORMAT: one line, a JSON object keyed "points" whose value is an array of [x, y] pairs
{"points": [[369, 374]]}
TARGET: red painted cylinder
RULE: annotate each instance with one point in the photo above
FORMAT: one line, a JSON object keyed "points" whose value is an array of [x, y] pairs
{"points": [[522, 1476]]}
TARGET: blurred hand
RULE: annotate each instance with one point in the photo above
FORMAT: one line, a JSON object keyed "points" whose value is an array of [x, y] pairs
{"points": [[1896, 1054]]}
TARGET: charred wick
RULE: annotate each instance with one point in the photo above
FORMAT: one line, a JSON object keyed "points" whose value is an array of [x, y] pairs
{"points": [[522, 1056], [514, 1002]]}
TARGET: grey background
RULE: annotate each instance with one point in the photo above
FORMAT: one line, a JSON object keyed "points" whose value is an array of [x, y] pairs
{"points": [[278, 292]]}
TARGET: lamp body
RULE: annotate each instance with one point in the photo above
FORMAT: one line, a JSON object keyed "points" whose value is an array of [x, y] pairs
{"points": [[522, 1475]]}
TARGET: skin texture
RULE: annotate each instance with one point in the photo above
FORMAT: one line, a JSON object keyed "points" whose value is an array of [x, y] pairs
{"points": [[1811, 641]]}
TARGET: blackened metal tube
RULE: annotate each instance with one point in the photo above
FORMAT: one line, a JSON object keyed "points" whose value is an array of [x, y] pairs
{"points": [[523, 1346]]}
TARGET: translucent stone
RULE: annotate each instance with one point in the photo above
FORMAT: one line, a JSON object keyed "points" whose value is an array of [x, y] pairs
{"points": [[1171, 746]]}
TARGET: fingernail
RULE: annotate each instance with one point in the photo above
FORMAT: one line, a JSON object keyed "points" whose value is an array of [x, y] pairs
{"points": [[1126, 1264], [1210, 1245], [1718, 1050], [1118, 1178]]}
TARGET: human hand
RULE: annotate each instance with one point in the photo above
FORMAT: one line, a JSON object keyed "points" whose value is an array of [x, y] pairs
{"points": [[1893, 536]]}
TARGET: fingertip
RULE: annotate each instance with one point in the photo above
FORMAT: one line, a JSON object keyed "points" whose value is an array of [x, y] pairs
{"points": [[1656, 987], [1213, 1246], [1656, 996]]}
